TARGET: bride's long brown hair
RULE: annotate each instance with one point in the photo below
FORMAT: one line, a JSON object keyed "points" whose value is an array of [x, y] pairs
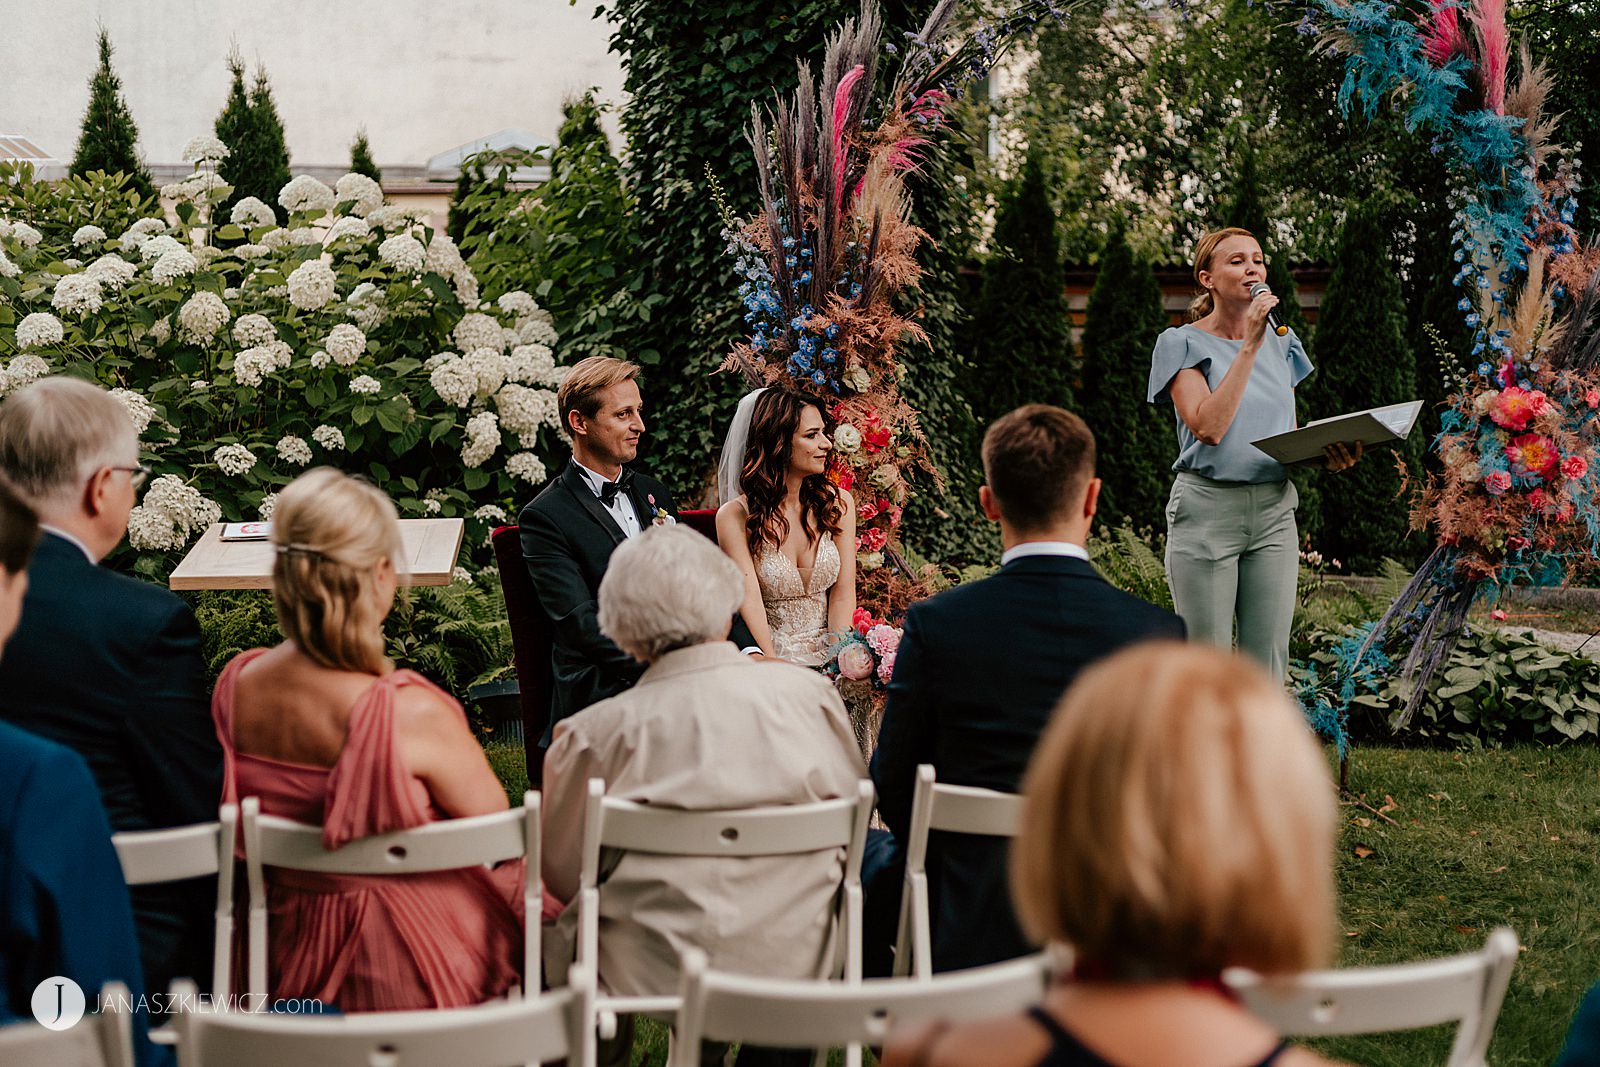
{"points": [[766, 466]]}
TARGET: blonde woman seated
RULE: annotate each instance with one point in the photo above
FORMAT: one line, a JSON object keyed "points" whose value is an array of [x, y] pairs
{"points": [[1179, 819], [323, 729]]}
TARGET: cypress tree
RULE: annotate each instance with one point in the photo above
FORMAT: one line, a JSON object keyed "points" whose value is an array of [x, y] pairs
{"points": [[107, 138], [361, 157], [1366, 363], [1023, 335], [235, 127], [271, 146], [471, 180], [1125, 315]]}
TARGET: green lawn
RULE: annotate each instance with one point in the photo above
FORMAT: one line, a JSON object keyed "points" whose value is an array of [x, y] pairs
{"points": [[1479, 838]]}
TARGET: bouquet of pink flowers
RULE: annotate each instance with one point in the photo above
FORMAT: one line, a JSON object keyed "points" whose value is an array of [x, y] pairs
{"points": [[865, 652]]}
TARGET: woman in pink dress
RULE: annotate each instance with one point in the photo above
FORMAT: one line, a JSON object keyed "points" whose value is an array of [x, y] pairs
{"points": [[323, 729]]}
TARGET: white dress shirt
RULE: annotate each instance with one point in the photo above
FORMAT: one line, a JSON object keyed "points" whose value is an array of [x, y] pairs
{"points": [[71, 539], [621, 507], [1044, 548]]}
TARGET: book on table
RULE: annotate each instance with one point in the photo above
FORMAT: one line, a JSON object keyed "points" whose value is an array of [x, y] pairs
{"points": [[1373, 428]]}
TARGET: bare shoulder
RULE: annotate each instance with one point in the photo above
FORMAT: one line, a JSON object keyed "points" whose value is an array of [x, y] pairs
{"points": [[424, 709], [736, 510], [847, 499]]}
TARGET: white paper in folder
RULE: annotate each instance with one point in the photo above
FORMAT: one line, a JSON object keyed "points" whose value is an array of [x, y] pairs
{"points": [[1373, 427]]}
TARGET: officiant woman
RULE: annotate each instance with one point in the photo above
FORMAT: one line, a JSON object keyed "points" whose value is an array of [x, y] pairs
{"points": [[1232, 543]]}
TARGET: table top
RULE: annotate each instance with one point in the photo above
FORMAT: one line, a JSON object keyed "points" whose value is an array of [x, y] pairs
{"points": [[431, 548]]}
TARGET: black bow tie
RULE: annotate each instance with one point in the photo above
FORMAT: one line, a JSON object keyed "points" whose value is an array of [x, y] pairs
{"points": [[609, 490]]}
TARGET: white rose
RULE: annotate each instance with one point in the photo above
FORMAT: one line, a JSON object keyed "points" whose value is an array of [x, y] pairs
{"points": [[847, 438]]}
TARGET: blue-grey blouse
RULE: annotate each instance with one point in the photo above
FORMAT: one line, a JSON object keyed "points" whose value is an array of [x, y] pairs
{"points": [[1266, 409]]}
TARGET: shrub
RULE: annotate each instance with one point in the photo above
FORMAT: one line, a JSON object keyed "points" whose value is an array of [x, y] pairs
{"points": [[361, 161], [353, 337], [108, 139]]}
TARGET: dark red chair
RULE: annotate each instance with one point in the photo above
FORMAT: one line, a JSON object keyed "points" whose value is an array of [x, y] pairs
{"points": [[532, 637], [701, 521]]}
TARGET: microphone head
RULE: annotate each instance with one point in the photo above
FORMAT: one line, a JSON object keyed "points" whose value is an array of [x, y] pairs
{"points": [[1258, 288]]}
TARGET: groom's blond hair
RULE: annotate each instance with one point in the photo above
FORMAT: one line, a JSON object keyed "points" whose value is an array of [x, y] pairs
{"points": [[580, 390]]}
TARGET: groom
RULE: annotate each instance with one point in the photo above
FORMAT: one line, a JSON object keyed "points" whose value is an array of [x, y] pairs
{"points": [[571, 528]]}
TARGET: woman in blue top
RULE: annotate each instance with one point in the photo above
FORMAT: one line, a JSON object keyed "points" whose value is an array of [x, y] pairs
{"points": [[1232, 542]]}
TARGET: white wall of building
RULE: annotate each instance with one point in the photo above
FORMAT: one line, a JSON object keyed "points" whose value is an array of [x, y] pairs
{"points": [[422, 76]]}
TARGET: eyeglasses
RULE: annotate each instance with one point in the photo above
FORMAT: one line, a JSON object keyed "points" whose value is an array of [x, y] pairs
{"points": [[137, 476]]}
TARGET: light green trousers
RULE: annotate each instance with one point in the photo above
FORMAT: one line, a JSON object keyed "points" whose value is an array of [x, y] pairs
{"points": [[1233, 558]]}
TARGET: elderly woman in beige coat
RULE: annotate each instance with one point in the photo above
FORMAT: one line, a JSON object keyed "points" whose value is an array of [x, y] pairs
{"points": [[705, 728]]}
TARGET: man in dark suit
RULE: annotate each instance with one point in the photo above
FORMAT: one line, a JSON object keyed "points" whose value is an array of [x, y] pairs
{"points": [[981, 668], [104, 663], [571, 528]]}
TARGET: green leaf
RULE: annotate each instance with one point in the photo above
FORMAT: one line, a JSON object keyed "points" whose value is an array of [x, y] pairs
{"points": [[230, 232], [475, 478]]}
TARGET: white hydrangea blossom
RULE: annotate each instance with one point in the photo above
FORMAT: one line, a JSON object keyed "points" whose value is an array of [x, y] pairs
{"points": [[303, 236], [189, 189], [477, 330], [251, 366], [306, 193], [431, 506], [530, 365], [403, 252], [253, 329], [85, 236], [157, 247], [466, 287], [251, 251], [444, 257], [366, 306], [170, 513], [234, 459], [348, 226], [320, 359], [490, 513], [345, 343], [38, 330], [76, 294], [292, 449], [8, 269], [524, 411], [205, 148], [537, 331], [111, 271], [269, 504], [329, 437], [205, 253], [489, 366], [312, 284], [252, 213], [455, 382], [201, 316], [364, 383], [140, 410], [367, 194], [172, 265], [389, 217], [73, 262], [25, 235], [483, 437], [518, 303], [135, 236], [273, 240], [199, 385], [527, 466], [24, 369], [161, 331]]}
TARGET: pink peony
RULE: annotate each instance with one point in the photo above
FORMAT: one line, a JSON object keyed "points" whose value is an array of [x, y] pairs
{"points": [[855, 661], [1497, 482], [1574, 467], [1533, 453], [886, 668], [884, 639]]}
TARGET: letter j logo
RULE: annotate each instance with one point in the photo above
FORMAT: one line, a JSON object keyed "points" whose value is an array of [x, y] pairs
{"points": [[58, 1003]]}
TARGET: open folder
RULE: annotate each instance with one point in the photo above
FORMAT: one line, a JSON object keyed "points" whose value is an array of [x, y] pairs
{"points": [[1376, 426]]}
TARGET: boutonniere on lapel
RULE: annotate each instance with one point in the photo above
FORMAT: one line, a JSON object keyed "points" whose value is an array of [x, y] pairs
{"points": [[658, 514]]}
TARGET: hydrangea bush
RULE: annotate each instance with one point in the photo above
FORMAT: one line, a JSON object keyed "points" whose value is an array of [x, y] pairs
{"points": [[245, 351]]}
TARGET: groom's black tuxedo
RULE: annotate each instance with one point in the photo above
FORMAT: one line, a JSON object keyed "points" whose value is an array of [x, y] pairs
{"points": [[567, 541]]}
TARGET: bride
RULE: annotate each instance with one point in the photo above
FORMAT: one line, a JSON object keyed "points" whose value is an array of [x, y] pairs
{"points": [[791, 531]]}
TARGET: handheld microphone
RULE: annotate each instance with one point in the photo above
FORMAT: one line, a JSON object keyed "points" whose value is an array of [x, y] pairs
{"points": [[1272, 316]]}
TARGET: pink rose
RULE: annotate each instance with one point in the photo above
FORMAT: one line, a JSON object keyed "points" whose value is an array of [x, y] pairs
{"points": [[886, 668], [1592, 398], [1497, 615], [1497, 482], [884, 639], [1574, 467], [855, 661]]}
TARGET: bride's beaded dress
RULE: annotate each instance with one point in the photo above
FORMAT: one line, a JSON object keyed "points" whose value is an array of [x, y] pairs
{"points": [[797, 608]]}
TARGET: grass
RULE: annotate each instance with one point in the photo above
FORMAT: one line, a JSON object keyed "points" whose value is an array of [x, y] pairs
{"points": [[1479, 838]]}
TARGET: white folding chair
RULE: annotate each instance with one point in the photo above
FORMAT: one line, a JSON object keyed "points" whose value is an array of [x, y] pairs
{"points": [[104, 1039], [152, 856], [957, 809], [823, 1015], [270, 841], [610, 822], [532, 1029], [1467, 989]]}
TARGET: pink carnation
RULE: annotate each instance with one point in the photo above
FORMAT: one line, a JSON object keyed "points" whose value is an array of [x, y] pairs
{"points": [[1536, 500], [867, 511], [886, 668], [1574, 467], [884, 639], [871, 540], [862, 621], [1497, 482], [1592, 398], [855, 661]]}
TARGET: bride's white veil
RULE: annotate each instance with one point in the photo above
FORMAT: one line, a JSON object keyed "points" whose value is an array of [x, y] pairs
{"points": [[732, 461]]}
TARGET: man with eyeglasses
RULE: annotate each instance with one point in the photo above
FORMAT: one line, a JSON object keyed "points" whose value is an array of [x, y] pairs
{"points": [[107, 664]]}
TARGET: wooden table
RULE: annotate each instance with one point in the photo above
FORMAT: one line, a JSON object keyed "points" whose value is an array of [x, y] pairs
{"points": [[431, 548]]}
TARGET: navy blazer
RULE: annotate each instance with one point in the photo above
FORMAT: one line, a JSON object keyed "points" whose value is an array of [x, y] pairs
{"points": [[979, 670], [64, 909], [110, 666]]}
